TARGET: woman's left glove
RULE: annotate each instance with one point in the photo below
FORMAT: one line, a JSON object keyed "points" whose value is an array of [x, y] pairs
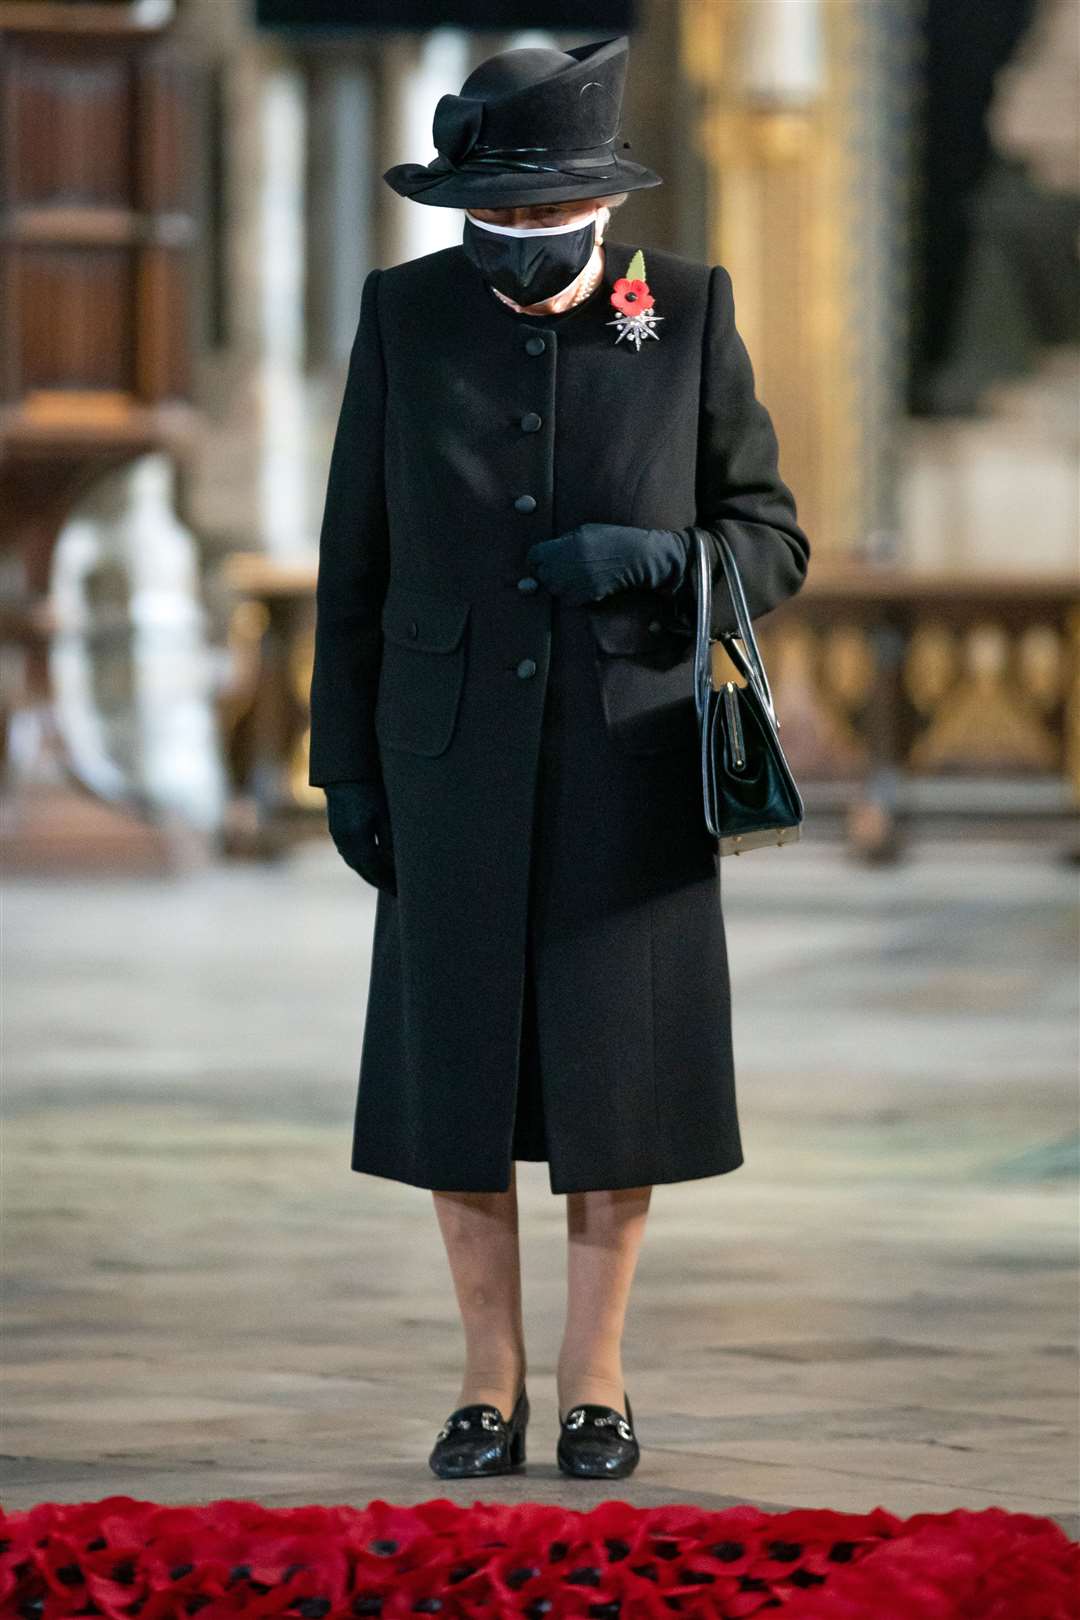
{"points": [[595, 559]]}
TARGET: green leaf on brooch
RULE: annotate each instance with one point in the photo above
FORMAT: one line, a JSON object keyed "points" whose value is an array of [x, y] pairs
{"points": [[635, 270]]}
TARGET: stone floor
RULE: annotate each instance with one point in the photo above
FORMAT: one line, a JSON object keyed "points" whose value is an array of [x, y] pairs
{"points": [[203, 1300]]}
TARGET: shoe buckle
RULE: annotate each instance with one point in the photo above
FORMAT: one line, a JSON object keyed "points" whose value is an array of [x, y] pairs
{"points": [[451, 1424], [576, 1418], [620, 1423], [490, 1419]]}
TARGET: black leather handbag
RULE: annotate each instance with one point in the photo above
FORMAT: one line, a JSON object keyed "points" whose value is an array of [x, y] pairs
{"points": [[751, 798]]}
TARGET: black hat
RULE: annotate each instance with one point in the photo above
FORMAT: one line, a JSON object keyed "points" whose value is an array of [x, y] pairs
{"points": [[531, 125]]}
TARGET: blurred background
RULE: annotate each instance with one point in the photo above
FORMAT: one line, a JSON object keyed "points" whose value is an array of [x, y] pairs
{"points": [[190, 198]]}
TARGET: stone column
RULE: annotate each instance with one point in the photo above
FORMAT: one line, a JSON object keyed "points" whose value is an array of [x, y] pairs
{"points": [[132, 674], [802, 121], [416, 71]]}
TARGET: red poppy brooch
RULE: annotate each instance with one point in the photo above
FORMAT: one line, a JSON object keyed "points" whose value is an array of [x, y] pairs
{"points": [[630, 295]]}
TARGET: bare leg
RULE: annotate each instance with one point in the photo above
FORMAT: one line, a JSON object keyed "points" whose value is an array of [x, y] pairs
{"points": [[604, 1232], [480, 1231]]}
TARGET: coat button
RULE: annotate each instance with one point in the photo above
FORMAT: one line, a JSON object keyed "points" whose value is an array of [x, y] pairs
{"points": [[414, 628], [527, 582], [655, 627], [535, 345], [531, 422], [525, 503], [526, 668]]}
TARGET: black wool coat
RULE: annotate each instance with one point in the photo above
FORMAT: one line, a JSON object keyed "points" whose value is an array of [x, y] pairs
{"points": [[550, 981]]}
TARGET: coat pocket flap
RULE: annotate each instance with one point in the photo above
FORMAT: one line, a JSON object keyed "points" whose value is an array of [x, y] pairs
{"points": [[420, 619], [636, 624]]}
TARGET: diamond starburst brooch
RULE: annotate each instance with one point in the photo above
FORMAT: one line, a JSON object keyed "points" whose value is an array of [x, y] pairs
{"points": [[630, 295]]}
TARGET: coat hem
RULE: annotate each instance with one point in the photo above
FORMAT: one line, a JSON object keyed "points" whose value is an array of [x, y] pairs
{"points": [[422, 1179], [723, 1168]]}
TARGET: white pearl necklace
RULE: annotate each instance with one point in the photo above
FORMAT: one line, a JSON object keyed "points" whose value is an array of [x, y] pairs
{"points": [[590, 286]]}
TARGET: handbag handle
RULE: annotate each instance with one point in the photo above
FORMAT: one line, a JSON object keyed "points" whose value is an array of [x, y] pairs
{"points": [[750, 667]]}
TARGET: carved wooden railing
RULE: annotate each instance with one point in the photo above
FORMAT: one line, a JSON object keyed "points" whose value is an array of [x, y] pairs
{"points": [[888, 681]]}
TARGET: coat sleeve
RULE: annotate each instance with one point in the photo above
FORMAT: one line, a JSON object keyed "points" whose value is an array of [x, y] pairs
{"points": [[739, 490], [353, 570]]}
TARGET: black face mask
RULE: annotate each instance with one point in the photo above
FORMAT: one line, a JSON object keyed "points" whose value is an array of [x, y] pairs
{"points": [[532, 267]]}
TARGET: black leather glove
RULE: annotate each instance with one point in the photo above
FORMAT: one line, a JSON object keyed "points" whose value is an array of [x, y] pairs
{"points": [[595, 559], [359, 823]]}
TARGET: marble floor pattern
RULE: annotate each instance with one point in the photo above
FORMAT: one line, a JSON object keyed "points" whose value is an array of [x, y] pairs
{"points": [[203, 1300]]}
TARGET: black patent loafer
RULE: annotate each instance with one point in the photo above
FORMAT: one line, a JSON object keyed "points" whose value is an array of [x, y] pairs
{"points": [[597, 1442], [477, 1439]]}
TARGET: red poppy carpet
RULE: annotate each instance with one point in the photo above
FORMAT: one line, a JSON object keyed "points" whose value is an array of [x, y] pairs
{"points": [[124, 1557]]}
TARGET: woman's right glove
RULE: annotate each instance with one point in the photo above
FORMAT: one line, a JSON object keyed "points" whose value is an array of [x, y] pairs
{"points": [[359, 822]]}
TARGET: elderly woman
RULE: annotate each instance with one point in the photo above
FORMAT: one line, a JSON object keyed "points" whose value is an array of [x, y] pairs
{"points": [[502, 717]]}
